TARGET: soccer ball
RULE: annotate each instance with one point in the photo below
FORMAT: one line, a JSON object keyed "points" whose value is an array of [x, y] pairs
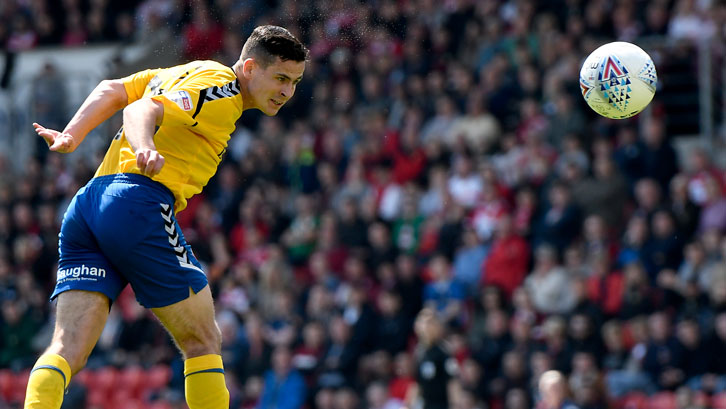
{"points": [[618, 80]]}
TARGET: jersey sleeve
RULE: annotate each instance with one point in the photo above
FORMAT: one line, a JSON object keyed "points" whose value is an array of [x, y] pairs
{"points": [[135, 84]]}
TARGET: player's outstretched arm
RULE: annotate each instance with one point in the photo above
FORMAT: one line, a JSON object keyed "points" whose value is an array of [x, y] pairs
{"points": [[108, 97], [140, 121]]}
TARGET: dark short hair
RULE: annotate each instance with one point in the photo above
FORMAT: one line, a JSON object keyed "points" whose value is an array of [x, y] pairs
{"points": [[269, 42]]}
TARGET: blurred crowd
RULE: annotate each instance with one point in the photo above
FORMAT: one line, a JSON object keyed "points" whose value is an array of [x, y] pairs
{"points": [[437, 217]]}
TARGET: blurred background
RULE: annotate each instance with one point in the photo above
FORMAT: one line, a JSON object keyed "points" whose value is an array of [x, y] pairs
{"points": [[438, 155]]}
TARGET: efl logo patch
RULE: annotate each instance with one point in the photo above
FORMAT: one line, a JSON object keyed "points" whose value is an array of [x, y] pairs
{"points": [[183, 99]]}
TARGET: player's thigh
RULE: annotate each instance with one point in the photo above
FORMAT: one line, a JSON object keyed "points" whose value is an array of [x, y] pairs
{"points": [[80, 319], [191, 323]]}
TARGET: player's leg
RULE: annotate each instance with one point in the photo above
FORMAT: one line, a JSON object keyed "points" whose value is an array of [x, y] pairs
{"points": [[143, 240], [86, 283], [80, 318], [192, 326]]}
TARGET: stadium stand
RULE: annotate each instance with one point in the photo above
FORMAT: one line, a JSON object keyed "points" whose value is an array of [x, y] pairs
{"points": [[437, 154]]}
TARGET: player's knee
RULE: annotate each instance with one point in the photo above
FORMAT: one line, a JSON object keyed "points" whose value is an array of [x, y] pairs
{"points": [[202, 343]]}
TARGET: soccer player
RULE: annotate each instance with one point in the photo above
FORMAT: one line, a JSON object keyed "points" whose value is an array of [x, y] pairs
{"points": [[120, 228]]}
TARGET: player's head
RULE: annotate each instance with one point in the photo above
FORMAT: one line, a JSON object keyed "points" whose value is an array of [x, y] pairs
{"points": [[271, 64]]}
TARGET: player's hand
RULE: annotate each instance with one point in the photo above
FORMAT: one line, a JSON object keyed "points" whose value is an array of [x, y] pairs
{"points": [[57, 141], [149, 161]]}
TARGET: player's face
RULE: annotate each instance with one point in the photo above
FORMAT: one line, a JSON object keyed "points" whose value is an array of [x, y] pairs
{"points": [[274, 85]]}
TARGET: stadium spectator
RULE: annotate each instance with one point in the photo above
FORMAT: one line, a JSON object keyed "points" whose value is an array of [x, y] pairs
{"points": [[508, 259], [284, 386], [549, 284], [554, 391], [400, 95]]}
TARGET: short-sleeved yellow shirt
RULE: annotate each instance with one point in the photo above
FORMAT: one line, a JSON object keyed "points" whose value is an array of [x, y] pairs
{"points": [[202, 103]]}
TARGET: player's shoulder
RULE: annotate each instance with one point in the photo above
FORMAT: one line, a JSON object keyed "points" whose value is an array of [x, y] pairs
{"points": [[211, 69]]}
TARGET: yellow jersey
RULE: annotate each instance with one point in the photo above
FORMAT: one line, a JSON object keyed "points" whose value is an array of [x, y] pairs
{"points": [[202, 103]]}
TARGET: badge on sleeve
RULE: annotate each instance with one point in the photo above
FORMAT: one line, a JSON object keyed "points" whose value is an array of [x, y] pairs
{"points": [[181, 98]]}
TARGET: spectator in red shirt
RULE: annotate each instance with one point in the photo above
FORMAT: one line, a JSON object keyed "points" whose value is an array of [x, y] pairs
{"points": [[508, 260], [203, 36]]}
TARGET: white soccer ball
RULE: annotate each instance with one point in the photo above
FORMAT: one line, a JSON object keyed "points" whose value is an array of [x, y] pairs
{"points": [[618, 80]]}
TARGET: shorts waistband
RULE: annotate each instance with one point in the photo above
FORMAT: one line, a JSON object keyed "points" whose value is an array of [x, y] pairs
{"points": [[132, 179]]}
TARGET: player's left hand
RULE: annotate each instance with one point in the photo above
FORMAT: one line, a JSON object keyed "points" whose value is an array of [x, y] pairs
{"points": [[57, 141]]}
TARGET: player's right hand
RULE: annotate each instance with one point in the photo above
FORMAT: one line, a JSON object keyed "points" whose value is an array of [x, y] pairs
{"points": [[149, 161], [57, 141]]}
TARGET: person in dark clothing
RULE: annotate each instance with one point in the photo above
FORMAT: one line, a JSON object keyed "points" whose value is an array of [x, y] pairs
{"points": [[351, 228], [637, 296], [665, 248], [686, 213], [362, 318], [409, 285], [659, 157], [696, 357], [714, 377], [664, 356], [560, 222], [393, 327], [629, 155], [435, 365], [381, 248], [340, 362], [583, 335], [493, 343], [256, 352]]}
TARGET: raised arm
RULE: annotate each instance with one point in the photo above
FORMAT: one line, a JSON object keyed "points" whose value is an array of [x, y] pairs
{"points": [[108, 97]]}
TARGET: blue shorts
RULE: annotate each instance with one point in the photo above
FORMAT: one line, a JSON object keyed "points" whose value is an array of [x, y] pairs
{"points": [[121, 229]]}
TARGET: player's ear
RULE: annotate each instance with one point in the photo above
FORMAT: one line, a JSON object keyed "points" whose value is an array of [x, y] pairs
{"points": [[248, 67]]}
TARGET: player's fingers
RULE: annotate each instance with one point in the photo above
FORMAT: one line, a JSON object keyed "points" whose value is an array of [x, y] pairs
{"points": [[141, 158], [153, 163], [149, 168], [158, 164], [47, 135]]}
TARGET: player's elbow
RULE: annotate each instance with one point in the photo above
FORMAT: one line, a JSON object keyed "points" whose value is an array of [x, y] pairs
{"points": [[114, 91]]}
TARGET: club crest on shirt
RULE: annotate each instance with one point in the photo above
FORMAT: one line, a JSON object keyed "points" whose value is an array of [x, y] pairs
{"points": [[428, 370], [181, 98]]}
